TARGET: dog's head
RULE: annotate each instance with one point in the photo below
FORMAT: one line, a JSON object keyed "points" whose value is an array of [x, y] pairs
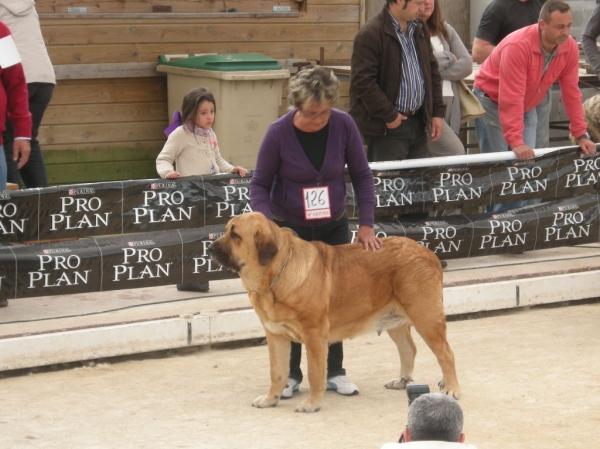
{"points": [[249, 239]]}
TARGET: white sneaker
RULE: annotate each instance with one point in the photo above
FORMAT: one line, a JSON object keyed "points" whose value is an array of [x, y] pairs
{"points": [[342, 385], [292, 387]]}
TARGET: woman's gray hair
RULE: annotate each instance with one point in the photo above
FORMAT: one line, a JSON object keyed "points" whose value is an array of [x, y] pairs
{"points": [[316, 83], [435, 417]]}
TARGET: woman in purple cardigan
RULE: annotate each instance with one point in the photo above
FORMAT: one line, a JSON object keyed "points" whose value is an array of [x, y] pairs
{"points": [[299, 184]]}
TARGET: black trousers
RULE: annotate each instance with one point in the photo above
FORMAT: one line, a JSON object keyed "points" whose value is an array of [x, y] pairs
{"points": [[407, 141], [33, 173], [335, 233]]}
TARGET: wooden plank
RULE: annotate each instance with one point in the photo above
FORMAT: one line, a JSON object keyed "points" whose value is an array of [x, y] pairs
{"points": [[100, 91], [102, 133], [314, 14], [115, 70], [59, 147], [170, 16], [101, 164], [102, 171], [85, 156], [106, 112], [177, 6], [96, 54], [331, 13], [184, 33], [334, 2]]}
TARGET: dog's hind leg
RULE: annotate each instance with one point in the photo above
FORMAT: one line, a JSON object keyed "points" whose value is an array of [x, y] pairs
{"points": [[435, 337], [407, 351], [316, 355], [279, 358]]}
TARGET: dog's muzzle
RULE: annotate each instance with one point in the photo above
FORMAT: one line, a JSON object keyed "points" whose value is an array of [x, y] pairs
{"points": [[221, 256]]}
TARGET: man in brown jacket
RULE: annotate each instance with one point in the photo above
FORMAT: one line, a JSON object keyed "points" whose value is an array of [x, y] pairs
{"points": [[395, 85]]}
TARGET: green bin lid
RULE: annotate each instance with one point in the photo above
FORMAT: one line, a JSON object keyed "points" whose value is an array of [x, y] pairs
{"points": [[225, 62]]}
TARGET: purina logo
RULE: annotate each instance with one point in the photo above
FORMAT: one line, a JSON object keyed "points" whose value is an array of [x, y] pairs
{"points": [[141, 243], [568, 207], [521, 163], [239, 181], [215, 236], [388, 173], [163, 185], [81, 191], [457, 169], [56, 250], [4, 196], [506, 215], [436, 223]]}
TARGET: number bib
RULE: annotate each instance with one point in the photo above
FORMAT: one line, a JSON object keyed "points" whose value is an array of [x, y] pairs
{"points": [[316, 203]]}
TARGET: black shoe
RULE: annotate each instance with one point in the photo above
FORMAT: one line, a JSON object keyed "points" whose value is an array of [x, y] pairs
{"points": [[193, 287], [3, 302]]}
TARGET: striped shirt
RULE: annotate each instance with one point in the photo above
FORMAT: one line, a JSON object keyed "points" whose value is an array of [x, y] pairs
{"points": [[412, 82]]}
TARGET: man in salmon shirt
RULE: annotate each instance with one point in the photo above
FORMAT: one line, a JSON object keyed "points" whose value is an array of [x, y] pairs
{"points": [[515, 78]]}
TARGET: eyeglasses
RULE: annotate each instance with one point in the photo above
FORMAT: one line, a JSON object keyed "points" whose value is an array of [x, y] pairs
{"points": [[311, 114]]}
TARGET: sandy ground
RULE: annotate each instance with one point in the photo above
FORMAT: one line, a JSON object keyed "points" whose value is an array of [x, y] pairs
{"points": [[529, 380]]}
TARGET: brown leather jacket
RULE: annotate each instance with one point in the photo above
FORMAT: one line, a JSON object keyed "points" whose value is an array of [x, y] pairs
{"points": [[375, 75]]}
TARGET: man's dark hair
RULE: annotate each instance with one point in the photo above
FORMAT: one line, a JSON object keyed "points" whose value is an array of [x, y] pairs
{"points": [[391, 2], [435, 417], [553, 5]]}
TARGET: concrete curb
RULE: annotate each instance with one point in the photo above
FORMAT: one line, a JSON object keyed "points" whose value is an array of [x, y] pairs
{"points": [[211, 327]]}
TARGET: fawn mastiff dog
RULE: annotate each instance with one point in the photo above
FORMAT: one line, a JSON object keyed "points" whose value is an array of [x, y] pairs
{"points": [[313, 293]]}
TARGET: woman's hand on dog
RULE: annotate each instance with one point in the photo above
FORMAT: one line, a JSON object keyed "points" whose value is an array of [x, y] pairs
{"points": [[367, 237]]}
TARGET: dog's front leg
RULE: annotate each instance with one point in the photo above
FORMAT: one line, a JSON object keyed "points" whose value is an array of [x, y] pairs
{"points": [[279, 359], [316, 354]]}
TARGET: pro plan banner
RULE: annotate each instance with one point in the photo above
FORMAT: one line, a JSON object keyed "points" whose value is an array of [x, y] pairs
{"points": [[181, 256], [225, 200], [559, 174], [86, 210], [109, 263], [396, 192], [50, 269], [82, 209], [19, 215], [572, 221], [157, 205], [457, 187], [448, 237]]}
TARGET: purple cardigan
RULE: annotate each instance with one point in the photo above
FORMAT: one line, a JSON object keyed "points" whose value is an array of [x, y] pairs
{"points": [[282, 170]]}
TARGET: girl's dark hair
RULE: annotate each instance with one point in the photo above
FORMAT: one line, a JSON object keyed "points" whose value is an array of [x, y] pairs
{"points": [[192, 100], [435, 23]]}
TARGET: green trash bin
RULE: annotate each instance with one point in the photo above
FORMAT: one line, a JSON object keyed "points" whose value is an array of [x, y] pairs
{"points": [[248, 89]]}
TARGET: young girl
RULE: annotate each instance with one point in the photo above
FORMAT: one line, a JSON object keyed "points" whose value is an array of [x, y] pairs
{"points": [[192, 143]]}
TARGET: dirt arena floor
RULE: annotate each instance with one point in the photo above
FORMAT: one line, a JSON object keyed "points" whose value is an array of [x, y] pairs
{"points": [[530, 379]]}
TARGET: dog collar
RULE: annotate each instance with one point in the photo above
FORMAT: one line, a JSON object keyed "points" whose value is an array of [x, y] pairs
{"points": [[276, 277]]}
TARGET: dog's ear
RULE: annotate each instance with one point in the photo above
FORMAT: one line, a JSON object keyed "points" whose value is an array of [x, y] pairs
{"points": [[265, 245]]}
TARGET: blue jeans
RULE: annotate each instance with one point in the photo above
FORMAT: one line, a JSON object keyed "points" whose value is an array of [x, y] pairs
{"points": [[2, 169], [542, 137], [491, 138]]}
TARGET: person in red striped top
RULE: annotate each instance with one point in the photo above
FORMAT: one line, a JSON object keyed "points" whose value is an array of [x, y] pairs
{"points": [[14, 101]]}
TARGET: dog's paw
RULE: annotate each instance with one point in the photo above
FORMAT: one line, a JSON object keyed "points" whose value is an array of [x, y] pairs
{"points": [[398, 384], [308, 407], [450, 391], [264, 402]]}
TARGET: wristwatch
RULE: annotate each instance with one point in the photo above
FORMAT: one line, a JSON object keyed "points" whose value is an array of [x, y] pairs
{"points": [[584, 136]]}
